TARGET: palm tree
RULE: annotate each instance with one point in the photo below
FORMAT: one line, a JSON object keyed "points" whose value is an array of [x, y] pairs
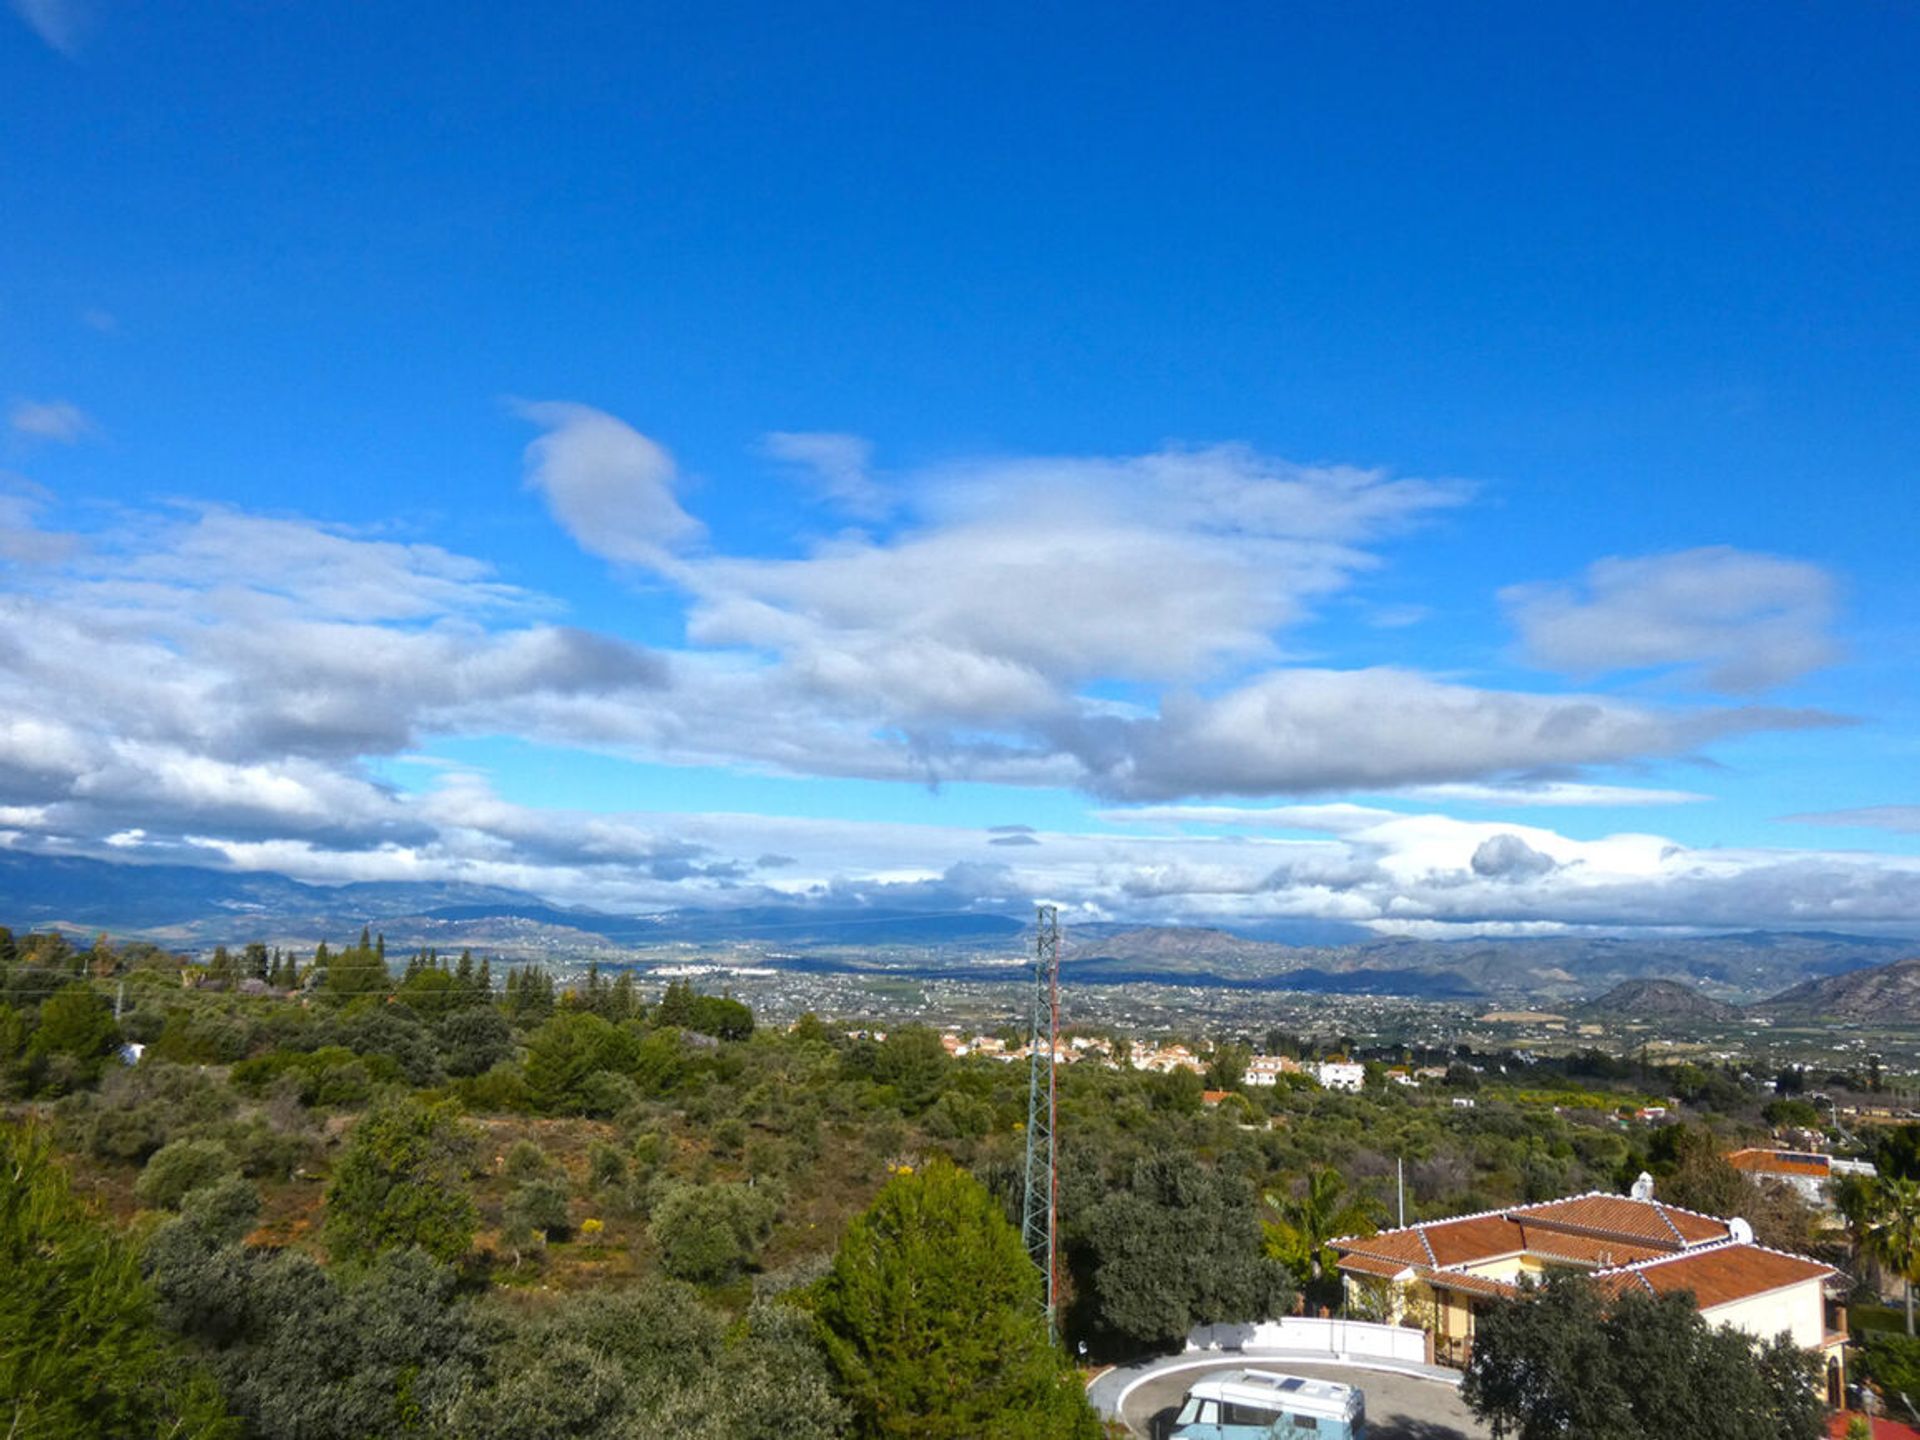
{"points": [[1893, 1233], [1304, 1223]]}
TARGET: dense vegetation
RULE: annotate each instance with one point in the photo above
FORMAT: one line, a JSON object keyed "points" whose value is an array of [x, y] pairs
{"points": [[1565, 1362], [440, 1197]]}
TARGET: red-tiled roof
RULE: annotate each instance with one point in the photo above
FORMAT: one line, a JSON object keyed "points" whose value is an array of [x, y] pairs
{"points": [[1583, 1230], [1625, 1218], [1626, 1243], [1474, 1284], [1570, 1246], [1368, 1265], [1721, 1274], [1781, 1162], [1476, 1238]]}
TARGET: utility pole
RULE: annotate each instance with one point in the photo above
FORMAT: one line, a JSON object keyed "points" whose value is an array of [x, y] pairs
{"points": [[1400, 1185], [1039, 1210]]}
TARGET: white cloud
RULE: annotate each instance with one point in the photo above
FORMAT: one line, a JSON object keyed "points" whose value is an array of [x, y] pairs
{"points": [[1553, 793], [839, 465], [221, 684], [1905, 818], [1305, 730], [1735, 620], [609, 486], [63, 24], [60, 421]]}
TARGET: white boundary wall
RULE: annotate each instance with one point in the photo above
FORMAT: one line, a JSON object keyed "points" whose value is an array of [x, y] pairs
{"points": [[1336, 1339]]}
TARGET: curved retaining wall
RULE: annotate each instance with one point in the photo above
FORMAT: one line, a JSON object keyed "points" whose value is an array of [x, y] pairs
{"points": [[1338, 1340]]}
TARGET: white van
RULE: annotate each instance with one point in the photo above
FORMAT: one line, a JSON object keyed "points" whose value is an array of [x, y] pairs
{"points": [[1265, 1405]]}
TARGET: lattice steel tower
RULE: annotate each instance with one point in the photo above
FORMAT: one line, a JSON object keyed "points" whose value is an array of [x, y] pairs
{"points": [[1040, 1211]]}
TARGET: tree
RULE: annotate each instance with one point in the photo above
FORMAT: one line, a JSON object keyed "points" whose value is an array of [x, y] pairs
{"points": [[1563, 1362], [1180, 1246], [710, 1233], [399, 1183], [177, 1169], [474, 1039], [933, 1323], [911, 1060], [1227, 1067], [310, 1354], [80, 1355], [646, 1361], [77, 1023], [1305, 1221], [1893, 1232], [565, 1053]]}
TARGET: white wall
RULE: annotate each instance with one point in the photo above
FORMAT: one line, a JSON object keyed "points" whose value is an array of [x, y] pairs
{"points": [[1337, 1339], [1801, 1311]]}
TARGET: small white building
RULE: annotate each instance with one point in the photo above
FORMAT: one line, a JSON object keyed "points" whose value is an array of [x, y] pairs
{"points": [[1341, 1074], [1267, 1069]]}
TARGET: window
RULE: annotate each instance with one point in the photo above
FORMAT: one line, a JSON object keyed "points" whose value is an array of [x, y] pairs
{"points": [[1231, 1414]]}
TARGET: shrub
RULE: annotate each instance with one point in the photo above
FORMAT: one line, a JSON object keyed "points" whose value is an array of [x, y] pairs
{"points": [[399, 1184], [526, 1161], [183, 1166], [537, 1208], [606, 1166], [710, 1233]]}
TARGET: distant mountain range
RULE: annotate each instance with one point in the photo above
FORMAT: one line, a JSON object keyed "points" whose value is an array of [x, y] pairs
{"points": [[1658, 1000], [195, 908], [1886, 993], [1561, 970]]}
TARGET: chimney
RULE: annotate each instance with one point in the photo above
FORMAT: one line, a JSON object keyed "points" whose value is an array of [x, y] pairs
{"points": [[1643, 1187]]}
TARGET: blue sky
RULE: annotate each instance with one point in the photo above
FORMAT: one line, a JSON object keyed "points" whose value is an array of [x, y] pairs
{"points": [[1426, 469]]}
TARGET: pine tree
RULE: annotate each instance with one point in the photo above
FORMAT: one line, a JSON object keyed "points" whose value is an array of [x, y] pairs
{"points": [[80, 1355], [932, 1318]]}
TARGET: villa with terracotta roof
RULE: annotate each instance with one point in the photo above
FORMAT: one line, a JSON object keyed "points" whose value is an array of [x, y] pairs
{"points": [[1808, 1172], [1442, 1273]]}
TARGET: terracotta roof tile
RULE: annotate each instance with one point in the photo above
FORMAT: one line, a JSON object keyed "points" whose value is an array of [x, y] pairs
{"points": [[1473, 1284], [1648, 1221], [1721, 1274], [1371, 1265], [1476, 1238], [1780, 1162]]}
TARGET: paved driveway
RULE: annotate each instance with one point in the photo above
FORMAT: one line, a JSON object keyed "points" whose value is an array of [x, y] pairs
{"points": [[1399, 1407]]}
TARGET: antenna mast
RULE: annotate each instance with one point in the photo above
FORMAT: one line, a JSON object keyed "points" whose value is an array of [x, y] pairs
{"points": [[1040, 1211]]}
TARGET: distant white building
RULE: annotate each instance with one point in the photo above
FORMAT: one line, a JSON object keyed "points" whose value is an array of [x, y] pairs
{"points": [[1267, 1069], [1809, 1173], [1341, 1074]]}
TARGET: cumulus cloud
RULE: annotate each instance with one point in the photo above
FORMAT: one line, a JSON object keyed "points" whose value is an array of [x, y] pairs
{"points": [[610, 487], [1305, 730], [1734, 620], [231, 672], [1508, 857], [212, 683], [60, 421]]}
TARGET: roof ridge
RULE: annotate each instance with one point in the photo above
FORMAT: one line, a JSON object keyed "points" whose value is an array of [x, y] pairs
{"points": [[1667, 1220], [1427, 1245], [1501, 1212]]}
